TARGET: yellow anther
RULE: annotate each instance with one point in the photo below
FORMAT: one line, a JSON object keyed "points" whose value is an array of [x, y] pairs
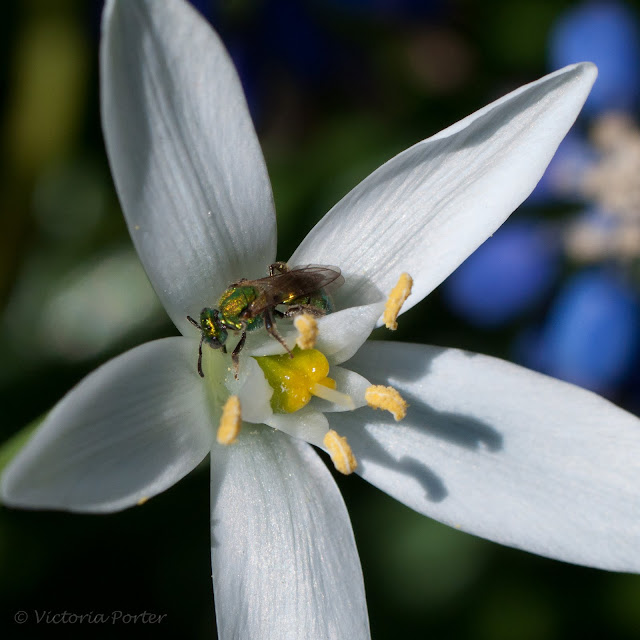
{"points": [[396, 299], [142, 500], [387, 398], [307, 327], [296, 380], [230, 422], [340, 452]]}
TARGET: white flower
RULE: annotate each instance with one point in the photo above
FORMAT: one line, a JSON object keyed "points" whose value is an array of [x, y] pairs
{"points": [[486, 446]]}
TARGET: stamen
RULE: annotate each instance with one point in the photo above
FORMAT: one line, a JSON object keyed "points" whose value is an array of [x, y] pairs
{"points": [[230, 422], [324, 391], [387, 398], [396, 299], [307, 327], [340, 452]]}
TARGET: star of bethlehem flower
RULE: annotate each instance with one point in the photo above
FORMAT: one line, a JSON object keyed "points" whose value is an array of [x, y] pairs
{"points": [[485, 446]]}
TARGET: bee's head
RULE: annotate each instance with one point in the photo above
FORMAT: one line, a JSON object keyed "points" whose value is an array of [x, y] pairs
{"points": [[214, 332]]}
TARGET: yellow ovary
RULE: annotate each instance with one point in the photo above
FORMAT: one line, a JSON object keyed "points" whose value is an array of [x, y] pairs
{"points": [[294, 380]]}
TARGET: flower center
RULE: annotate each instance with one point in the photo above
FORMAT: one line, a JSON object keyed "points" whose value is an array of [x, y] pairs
{"points": [[296, 380]]}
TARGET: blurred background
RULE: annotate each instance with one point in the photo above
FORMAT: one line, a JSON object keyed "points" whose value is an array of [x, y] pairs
{"points": [[335, 87]]}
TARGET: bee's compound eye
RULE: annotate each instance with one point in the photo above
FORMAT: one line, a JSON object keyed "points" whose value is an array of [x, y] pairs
{"points": [[216, 335], [221, 335], [212, 327], [208, 319], [206, 314], [217, 340]]}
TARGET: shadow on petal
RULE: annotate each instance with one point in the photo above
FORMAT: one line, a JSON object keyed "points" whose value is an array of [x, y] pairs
{"points": [[381, 441]]}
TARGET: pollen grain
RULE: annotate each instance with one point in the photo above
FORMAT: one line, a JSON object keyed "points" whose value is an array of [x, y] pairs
{"points": [[396, 299], [230, 422], [387, 398], [340, 452], [307, 327]]}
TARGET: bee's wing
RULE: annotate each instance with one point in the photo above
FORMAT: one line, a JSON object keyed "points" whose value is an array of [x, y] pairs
{"points": [[319, 276], [300, 281], [272, 290]]}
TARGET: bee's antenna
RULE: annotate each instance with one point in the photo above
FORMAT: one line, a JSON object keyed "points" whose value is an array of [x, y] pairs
{"points": [[193, 322]]}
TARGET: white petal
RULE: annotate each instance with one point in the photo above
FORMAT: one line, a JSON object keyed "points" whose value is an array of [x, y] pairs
{"points": [[306, 424], [260, 343], [340, 334], [252, 389], [183, 152], [431, 206], [504, 453], [128, 431], [285, 564]]}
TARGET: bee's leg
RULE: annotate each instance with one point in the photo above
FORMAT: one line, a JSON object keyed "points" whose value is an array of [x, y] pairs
{"points": [[200, 356], [299, 309], [195, 324], [235, 354], [278, 267], [270, 326]]}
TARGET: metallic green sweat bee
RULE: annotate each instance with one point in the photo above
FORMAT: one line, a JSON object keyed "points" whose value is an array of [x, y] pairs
{"points": [[246, 305]]}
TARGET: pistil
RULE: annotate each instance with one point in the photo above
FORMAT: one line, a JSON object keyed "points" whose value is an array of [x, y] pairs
{"points": [[327, 392]]}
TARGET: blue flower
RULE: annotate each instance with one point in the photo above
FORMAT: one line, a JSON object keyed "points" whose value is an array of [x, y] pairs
{"points": [[608, 34], [590, 336], [508, 274]]}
